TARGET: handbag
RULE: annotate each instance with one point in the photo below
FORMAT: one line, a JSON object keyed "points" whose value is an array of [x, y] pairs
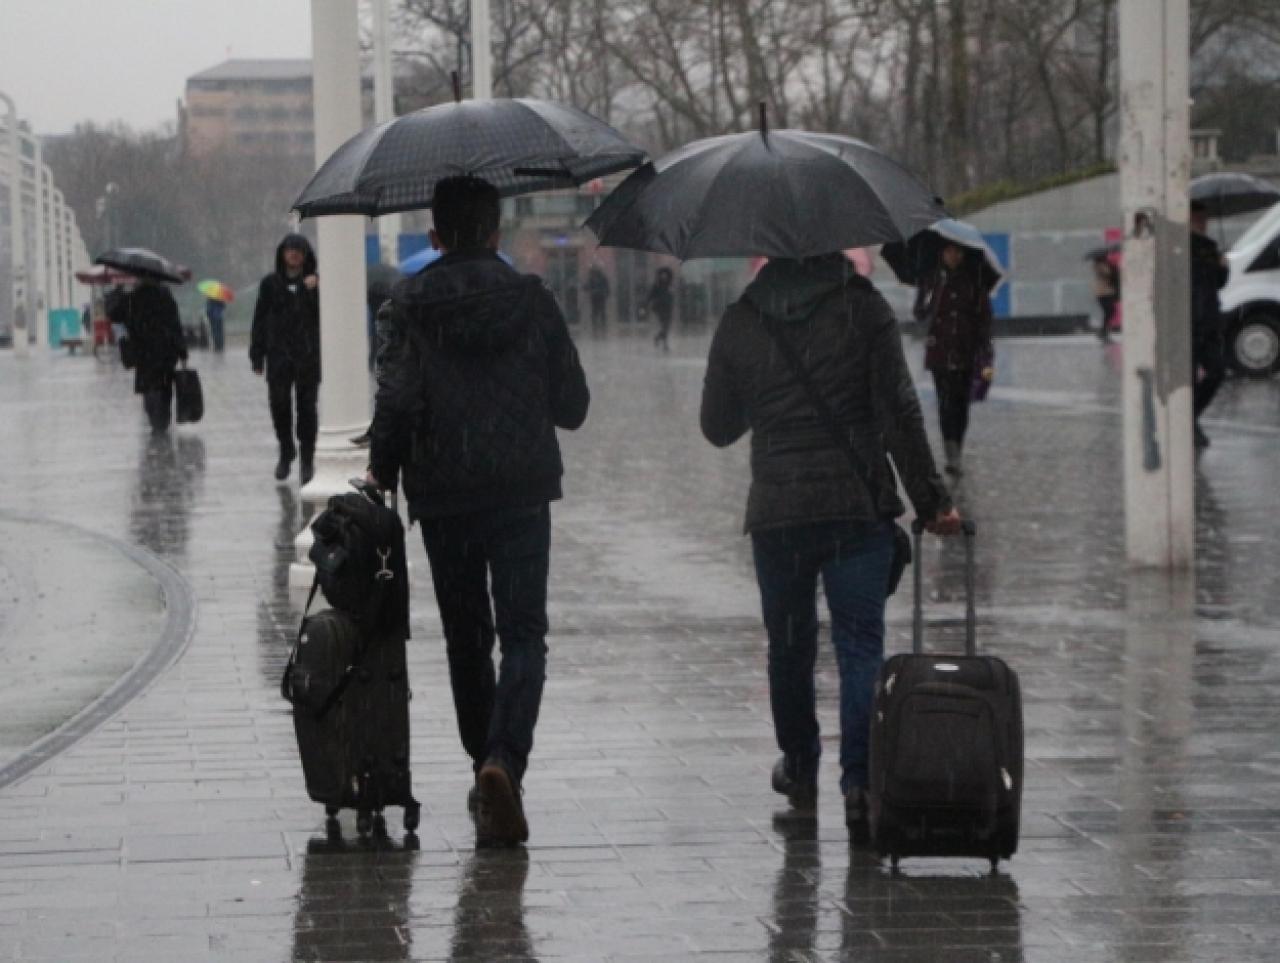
{"points": [[189, 394], [901, 540]]}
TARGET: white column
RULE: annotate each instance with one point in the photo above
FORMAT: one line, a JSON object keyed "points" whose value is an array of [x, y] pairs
{"points": [[481, 51], [384, 109], [17, 243], [1154, 166], [344, 388], [39, 297]]}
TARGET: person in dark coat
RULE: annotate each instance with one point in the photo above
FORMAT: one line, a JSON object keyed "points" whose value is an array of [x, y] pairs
{"points": [[1106, 288], [285, 343], [662, 303], [808, 514], [476, 371], [155, 344], [598, 294], [1209, 273], [957, 309]]}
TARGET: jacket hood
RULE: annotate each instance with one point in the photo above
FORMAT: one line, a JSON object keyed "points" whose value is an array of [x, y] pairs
{"points": [[789, 289], [309, 254], [469, 301]]}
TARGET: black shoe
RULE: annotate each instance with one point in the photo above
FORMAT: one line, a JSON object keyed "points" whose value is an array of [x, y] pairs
{"points": [[282, 467], [856, 815], [306, 470], [801, 793], [1201, 439], [500, 817]]}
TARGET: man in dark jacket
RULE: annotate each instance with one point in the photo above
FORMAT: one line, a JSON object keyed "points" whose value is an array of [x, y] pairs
{"points": [[154, 344], [1208, 274], [475, 372], [809, 515], [285, 342]]}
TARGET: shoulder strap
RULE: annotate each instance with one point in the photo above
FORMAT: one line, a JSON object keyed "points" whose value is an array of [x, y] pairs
{"points": [[293, 652], [825, 414]]}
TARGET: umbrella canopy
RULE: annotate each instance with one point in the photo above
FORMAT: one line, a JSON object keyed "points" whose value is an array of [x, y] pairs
{"points": [[144, 263], [917, 258], [783, 193], [216, 291], [519, 145], [101, 274], [1226, 193]]}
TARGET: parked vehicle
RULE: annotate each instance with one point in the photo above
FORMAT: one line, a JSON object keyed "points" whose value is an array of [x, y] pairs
{"points": [[1251, 299]]}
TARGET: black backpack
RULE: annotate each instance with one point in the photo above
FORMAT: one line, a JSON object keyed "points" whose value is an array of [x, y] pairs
{"points": [[358, 554]]}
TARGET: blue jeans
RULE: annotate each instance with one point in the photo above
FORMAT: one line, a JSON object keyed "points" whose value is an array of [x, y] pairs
{"points": [[490, 575], [853, 560]]}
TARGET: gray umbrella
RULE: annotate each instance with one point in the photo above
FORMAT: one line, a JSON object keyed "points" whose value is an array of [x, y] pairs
{"points": [[144, 263], [1226, 193], [518, 145], [783, 193]]}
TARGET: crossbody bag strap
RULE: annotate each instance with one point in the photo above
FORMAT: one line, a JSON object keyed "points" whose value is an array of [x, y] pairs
{"points": [[293, 653], [825, 413]]}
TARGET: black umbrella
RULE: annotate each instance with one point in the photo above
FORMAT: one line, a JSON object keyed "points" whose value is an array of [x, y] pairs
{"points": [[518, 145], [916, 259], [782, 193], [1226, 193], [144, 263]]}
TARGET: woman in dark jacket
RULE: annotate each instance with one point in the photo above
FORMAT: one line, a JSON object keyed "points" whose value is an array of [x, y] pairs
{"points": [[285, 343], [155, 345], [958, 311], [809, 515]]}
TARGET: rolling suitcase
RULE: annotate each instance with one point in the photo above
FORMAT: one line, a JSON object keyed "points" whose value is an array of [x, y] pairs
{"points": [[348, 683], [946, 745], [189, 395]]}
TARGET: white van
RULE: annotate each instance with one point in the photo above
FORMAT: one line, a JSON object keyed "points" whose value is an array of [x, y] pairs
{"points": [[1251, 298]]}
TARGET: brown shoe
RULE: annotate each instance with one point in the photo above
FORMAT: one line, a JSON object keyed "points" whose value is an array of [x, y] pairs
{"points": [[500, 816]]}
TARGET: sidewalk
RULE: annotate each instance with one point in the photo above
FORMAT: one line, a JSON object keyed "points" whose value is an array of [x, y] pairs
{"points": [[179, 830]]}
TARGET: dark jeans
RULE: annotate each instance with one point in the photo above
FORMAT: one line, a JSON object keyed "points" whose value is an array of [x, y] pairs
{"points": [[954, 390], [1209, 355], [158, 404], [280, 392], [217, 332], [852, 559], [509, 549]]}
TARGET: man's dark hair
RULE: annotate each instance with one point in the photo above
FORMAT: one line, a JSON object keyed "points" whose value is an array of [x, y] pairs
{"points": [[465, 211], [1198, 207]]}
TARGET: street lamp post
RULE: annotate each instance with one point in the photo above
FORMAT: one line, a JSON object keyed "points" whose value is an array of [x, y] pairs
{"points": [[344, 385], [1154, 168], [481, 51], [384, 109]]}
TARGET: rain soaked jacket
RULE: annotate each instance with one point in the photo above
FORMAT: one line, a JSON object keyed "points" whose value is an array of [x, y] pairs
{"points": [[286, 321], [475, 372], [958, 311], [848, 338], [154, 329]]}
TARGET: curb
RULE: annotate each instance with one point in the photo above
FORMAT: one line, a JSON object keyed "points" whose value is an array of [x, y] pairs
{"points": [[179, 628]]}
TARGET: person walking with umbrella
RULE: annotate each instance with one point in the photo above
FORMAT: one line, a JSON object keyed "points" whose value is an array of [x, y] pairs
{"points": [[1209, 273], [809, 361], [476, 371], [153, 327], [957, 309], [285, 345], [216, 298]]}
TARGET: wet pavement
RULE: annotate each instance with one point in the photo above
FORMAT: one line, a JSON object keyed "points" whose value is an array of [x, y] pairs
{"points": [[179, 828]]}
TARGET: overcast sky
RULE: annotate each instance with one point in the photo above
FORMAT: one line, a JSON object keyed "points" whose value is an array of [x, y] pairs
{"points": [[65, 61]]}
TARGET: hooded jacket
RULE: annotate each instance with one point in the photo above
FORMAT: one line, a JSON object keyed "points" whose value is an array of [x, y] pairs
{"points": [[848, 338], [286, 320], [475, 372], [154, 329]]}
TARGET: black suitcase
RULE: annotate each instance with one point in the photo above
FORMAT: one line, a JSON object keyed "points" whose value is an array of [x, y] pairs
{"points": [[190, 396], [946, 745], [350, 696]]}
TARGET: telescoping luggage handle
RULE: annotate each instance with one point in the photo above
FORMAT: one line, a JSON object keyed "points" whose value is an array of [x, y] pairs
{"points": [[970, 612]]}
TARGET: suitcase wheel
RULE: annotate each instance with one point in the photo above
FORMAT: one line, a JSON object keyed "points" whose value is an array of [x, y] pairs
{"points": [[412, 813], [364, 822]]}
